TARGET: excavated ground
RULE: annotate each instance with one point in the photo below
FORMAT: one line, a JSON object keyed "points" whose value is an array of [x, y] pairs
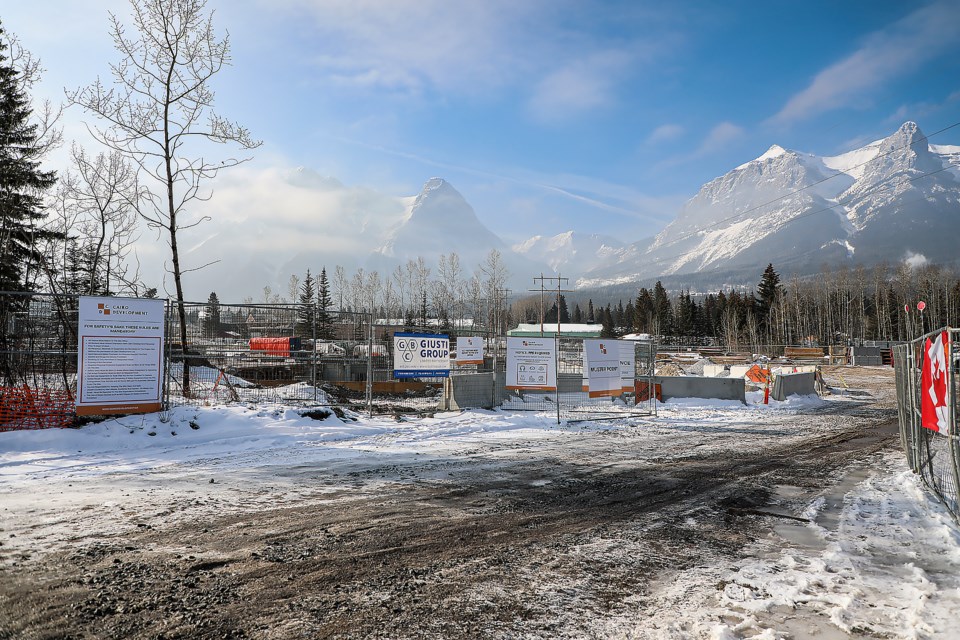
{"points": [[534, 539]]}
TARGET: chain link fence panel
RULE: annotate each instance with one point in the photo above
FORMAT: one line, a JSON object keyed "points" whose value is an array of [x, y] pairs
{"points": [[572, 402], [934, 455], [38, 360]]}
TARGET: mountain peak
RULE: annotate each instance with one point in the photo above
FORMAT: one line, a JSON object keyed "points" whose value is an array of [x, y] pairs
{"points": [[434, 184], [908, 135], [773, 152]]}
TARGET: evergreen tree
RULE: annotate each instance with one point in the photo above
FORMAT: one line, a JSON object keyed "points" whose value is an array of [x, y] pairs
{"points": [[324, 302], [662, 311], [607, 330], [591, 317], [307, 313], [769, 290], [211, 317], [550, 317], [22, 183], [564, 313], [643, 312], [577, 314]]}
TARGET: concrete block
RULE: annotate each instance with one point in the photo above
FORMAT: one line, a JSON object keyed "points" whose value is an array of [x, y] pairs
{"points": [[702, 387], [739, 370], [713, 370], [792, 384], [469, 391]]}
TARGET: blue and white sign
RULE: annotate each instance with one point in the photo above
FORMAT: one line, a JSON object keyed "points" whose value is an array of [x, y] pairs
{"points": [[421, 355]]}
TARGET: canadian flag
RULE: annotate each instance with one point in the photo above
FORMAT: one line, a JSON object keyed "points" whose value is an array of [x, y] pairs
{"points": [[934, 413]]}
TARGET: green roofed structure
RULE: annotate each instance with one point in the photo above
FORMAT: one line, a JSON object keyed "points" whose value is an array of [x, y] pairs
{"points": [[567, 330]]}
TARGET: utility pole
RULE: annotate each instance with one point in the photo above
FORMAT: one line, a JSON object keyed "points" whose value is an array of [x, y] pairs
{"points": [[560, 280]]}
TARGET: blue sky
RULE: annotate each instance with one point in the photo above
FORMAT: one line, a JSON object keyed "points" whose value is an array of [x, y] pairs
{"points": [[546, 115]]}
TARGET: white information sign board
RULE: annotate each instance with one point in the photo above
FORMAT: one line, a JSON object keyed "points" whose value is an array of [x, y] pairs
{"points": [[421, 355], [469, 350], [601, 367], [532, 364], [628, 365], [119, 355]]}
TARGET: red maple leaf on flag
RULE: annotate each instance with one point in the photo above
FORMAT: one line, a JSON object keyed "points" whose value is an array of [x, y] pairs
{"points": [[933, 385]]}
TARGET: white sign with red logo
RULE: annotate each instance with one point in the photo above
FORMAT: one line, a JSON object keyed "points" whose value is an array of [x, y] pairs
{"points": [[601, 368], [119, 355], [469, 350], [532, 364], [934, 409]]}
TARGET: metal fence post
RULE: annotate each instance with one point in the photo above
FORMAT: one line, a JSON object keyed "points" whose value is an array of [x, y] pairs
{"points": [[369, 390]]}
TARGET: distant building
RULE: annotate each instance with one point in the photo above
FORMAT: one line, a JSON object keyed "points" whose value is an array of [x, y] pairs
{"points": [[568, 330]]}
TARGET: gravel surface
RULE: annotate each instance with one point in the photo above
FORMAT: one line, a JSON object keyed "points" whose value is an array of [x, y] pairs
{"points": [[563, 537]]}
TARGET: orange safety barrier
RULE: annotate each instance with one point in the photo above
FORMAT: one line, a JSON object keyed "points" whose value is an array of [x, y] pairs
{"points": [[26, 408], [642, 392]]}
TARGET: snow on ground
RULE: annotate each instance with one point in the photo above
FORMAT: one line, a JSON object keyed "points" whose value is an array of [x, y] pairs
{"points": [[884, 562], [879, 556]]}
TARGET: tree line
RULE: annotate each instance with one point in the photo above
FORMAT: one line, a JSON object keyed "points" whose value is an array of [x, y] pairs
{"points": [[837, 307]]}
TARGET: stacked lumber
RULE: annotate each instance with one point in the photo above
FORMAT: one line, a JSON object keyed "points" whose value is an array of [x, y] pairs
{"points": [[803, 354]]}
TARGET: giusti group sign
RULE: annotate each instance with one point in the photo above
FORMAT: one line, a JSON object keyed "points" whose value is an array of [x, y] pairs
{"points": [[119, 355], [421, 355]]}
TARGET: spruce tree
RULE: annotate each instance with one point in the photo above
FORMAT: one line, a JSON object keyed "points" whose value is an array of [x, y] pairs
{"points": [[563, 311], [769, 291], [606, 319], [324, 302], [22, 183], [306, 314], [769, 288], [662, 311], [211, 316]]}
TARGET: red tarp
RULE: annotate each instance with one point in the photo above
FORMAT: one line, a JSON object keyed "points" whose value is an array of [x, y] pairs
{"points": [[275, 346]]}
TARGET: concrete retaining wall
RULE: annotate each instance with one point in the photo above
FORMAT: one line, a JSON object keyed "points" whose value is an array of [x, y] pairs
{"points": [[792, 384], [700, 387]]}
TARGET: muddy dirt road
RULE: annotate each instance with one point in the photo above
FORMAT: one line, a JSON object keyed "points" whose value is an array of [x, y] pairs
{"points": [[559, 538]]}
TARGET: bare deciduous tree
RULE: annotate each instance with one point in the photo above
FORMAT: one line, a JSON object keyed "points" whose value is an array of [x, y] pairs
{"points": [[158, 112]]}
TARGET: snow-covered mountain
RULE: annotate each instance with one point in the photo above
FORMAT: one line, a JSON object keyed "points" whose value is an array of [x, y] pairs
{"points": [[571, 252], [439, 221], [893, 197]]}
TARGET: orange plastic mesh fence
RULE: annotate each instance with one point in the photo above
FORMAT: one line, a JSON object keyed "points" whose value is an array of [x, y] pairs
{"points": [[26, 408]]}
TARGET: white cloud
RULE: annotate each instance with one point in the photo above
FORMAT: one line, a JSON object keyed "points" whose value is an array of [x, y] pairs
{"points": [[409, 45], [719, 137], [479, 49], [915, 260], [884, 55], [578, 87], [664, 133]]}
